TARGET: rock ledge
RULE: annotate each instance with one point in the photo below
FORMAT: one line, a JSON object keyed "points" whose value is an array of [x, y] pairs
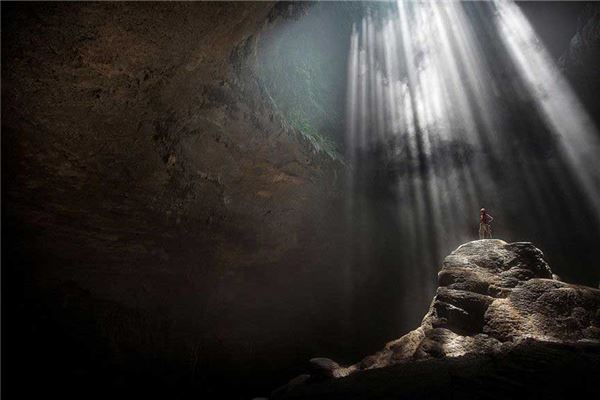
{"points": [[493, 298]]}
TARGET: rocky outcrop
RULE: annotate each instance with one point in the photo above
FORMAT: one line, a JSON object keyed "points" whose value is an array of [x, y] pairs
{"points": [[493, 298]]}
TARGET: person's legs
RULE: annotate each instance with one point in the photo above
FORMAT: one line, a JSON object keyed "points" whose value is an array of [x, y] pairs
{"points": [[481, 231], [488, 232]]}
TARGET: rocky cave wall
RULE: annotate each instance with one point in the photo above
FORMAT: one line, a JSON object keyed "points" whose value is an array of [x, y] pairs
{"points": [[158, 213]]}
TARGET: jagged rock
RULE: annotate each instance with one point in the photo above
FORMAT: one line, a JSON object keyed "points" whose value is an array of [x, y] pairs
{"points": [[326, 368], [493, 297], [491, 292], [530, 369]]}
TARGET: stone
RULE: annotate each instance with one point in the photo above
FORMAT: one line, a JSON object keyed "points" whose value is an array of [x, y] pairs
{"points": [[494, 298], [324, 367]]}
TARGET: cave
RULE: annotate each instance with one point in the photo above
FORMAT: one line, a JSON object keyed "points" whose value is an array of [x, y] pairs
{"points": [[219, 199]]}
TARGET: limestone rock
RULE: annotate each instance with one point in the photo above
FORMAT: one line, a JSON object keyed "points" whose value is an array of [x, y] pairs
{"points": [[492, 297], [326, 368]]}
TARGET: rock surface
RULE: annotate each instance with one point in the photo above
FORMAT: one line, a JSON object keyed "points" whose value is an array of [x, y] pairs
{"points": [[144, 167], [495, 300], [580, 60]]}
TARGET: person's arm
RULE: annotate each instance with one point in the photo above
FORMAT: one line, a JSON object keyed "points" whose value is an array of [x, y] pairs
{"points": [[490, 218]]}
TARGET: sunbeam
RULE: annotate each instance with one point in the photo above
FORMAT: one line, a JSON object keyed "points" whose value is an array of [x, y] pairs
{"points": [[560, 108], [429, 99]]}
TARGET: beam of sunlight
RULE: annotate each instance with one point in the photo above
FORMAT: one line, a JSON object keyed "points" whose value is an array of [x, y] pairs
{"points": [[561, 109], [437, 97]]}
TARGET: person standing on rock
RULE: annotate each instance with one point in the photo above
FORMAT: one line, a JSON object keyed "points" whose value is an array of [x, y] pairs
{"points": [[485, 229]]}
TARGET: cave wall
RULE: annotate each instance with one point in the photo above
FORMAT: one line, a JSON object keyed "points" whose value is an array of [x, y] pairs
{"points": [[580, 60], [159, 215]]}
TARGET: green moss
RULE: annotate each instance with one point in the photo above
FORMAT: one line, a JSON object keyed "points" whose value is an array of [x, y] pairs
{"points": [[302, 70]]}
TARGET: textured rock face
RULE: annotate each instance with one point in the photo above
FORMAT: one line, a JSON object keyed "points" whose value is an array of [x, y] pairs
{"points": [[493, 298], [144, 169], [580, 60], [531, 369], [583, 52], [129, 128]]}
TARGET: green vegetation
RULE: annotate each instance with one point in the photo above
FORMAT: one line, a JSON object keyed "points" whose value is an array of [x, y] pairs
{"points": [[302, 68]]}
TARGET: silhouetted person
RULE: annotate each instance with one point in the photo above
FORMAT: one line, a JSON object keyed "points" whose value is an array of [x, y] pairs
{"points": [[485, 229]]}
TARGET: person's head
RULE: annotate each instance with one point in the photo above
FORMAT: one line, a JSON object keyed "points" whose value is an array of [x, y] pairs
{"points": [[482, 211]]}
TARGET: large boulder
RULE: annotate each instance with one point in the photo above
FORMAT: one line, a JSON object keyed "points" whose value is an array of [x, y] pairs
{"points": [[495, 299]]}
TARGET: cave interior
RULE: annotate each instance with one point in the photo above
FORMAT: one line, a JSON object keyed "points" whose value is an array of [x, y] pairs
{"points": [[200, 197]]}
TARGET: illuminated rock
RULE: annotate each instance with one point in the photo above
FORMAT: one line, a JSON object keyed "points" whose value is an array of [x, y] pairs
{"points": [[492, 295], [495, 299]]}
